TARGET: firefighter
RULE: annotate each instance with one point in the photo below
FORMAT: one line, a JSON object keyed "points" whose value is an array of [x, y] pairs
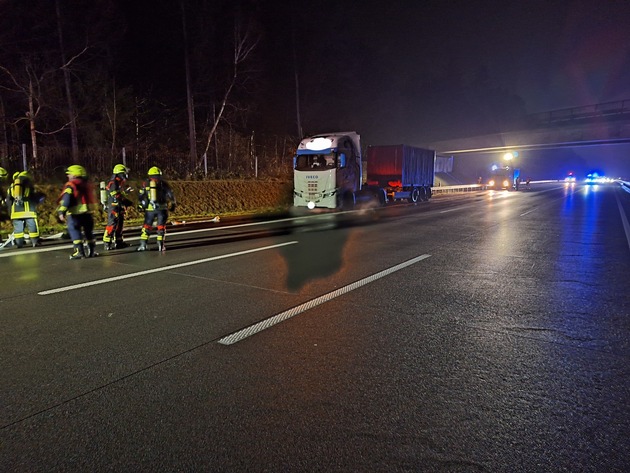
{"points": [[3, 214], [3, 178], [155, 199], [117, 201], [22, 201], [75, 204]]}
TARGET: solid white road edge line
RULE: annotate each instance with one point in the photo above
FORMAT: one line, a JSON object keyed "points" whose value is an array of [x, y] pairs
{"points": [[29, 250], [271, 321], [163, 268]]}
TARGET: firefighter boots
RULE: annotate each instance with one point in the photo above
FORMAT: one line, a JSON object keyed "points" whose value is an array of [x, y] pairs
{"points": [[143, 246], [92, 250], [79, 252]]}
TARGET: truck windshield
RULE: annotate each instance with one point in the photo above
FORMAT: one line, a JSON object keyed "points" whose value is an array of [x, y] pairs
{"points": [[307, 162]]}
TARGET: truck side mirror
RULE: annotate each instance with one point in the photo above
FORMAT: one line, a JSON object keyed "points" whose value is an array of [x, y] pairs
{"points": [[342, 160], [294, 161]]}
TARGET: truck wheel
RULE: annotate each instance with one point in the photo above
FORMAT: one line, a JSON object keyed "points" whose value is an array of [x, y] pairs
{"points": [[415, 195], [381, 197]]}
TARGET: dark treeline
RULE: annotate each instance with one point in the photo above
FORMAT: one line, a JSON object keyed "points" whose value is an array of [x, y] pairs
{"points": [[223, 88], [168, 83]]}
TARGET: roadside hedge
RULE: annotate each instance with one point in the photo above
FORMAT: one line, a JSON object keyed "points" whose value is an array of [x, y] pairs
{"points": [[195, 199]]}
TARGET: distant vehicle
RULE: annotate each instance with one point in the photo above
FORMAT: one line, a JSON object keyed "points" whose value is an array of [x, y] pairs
{"points": [[501, 178], [570, 177], [596, 178]]}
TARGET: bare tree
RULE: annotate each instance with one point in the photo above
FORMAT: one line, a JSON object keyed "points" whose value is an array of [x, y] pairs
{"points": [[244, 45], [192, 134], [297, 82], [50, 75], [142, 124], [66, 76], [4, 150], [32, 85], [111, 112]]}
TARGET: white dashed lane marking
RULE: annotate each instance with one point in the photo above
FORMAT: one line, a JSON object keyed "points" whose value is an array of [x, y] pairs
{"points": [[276, 319]]}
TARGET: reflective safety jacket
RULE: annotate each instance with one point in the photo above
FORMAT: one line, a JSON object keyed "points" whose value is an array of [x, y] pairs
{"points": [[155, 194], [22, 199], [117, 192], [77, 197]]}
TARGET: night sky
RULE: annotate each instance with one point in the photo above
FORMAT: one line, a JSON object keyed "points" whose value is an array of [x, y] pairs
{"points": [[551, 54]]}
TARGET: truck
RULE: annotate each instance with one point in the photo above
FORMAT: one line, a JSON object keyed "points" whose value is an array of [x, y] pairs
{"points": [[329, 173], [504, 177]]}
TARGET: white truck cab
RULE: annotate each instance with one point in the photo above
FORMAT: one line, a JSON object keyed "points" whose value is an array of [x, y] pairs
{"points": [[327, 171]]}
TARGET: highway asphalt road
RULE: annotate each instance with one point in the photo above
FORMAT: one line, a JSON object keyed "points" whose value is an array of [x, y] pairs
{"points": [[484, 332]]}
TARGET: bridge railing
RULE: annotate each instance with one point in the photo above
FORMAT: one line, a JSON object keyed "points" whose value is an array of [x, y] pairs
{"points": [[621, 107]]}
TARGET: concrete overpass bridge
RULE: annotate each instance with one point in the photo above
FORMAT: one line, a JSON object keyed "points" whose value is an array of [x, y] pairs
{"points": [[551, 136]]}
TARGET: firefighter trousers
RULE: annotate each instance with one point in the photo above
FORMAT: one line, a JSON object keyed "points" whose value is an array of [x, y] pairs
{"points": [[151, 217], [20, 225], [115, 222]]}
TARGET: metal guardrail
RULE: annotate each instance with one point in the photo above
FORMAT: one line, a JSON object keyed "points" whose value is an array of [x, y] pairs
{"points": [[481, 187], [473, 187], [453, 189]]}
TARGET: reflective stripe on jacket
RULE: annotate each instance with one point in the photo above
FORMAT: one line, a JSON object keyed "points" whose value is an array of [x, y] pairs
{"points": [[20, 197], [76, 197], [116, 191]]}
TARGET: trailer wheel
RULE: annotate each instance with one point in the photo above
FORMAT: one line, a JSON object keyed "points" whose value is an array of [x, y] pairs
{"points": [[415, 195], [423, 194]]}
